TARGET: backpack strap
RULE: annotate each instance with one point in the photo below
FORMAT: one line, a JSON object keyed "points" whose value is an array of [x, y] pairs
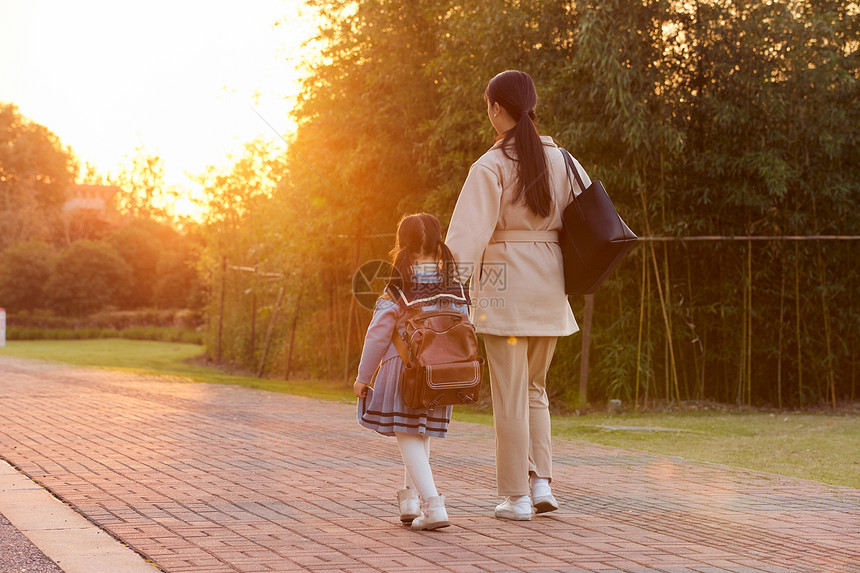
{"points": [[400, 346]]}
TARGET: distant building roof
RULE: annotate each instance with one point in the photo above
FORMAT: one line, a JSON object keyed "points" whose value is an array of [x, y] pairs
{"points": [[89, 197]]}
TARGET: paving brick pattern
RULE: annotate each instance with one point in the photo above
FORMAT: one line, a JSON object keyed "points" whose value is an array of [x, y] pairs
{"points": [[217, 479]]}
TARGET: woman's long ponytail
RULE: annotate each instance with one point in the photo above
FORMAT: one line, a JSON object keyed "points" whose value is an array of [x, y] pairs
{"points": [[515, 92]]}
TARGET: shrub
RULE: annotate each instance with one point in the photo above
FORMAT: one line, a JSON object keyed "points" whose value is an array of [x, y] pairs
{"points": [[188, 318], [36, 333], [161, 333], [89, 276], [178, 284], [140, 249], [24, 270], [112, 319]]}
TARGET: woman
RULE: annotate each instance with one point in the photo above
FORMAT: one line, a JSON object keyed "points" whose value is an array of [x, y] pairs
{"points": [[504, 236]]}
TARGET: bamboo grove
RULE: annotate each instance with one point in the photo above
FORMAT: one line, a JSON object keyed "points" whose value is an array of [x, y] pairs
{"points": [[708, 117]]}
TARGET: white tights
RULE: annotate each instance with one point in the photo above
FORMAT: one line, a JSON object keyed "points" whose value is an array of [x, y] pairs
{"points": [[415, 449]]}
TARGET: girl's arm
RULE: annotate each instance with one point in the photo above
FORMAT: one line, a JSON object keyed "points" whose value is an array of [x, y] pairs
{"points": [[359, 389], [376, 340], [474, 219]]}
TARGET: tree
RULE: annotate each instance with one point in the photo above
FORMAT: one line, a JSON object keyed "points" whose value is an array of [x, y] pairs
{"points": [[140, 247], [161, 262], [704, 117], [178, 285], [24, 270], [35, 172], [89, 276], [370, 151], [143, 192]]}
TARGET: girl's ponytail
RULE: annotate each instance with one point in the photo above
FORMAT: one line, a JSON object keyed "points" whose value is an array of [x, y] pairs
{"points": [[401, 272], [418, 234]]}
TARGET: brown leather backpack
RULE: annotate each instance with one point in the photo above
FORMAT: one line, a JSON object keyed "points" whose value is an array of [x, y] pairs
{"points": [[440, 351]]}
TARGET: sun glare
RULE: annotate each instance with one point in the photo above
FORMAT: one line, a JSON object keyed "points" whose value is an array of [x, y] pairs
{"points": [[179, 79]]}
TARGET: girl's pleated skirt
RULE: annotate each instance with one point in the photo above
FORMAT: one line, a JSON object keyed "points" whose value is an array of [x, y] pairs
{"points": [[383, 409]]}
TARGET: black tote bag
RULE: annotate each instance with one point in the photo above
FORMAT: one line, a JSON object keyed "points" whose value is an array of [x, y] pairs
{"points": [[593, 237]]}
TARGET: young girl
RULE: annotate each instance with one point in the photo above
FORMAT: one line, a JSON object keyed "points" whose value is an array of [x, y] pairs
{"points": [[422, 277]]}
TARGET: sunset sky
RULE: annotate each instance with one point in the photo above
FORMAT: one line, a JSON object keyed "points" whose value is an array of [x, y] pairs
{"points": [[176, 77]]}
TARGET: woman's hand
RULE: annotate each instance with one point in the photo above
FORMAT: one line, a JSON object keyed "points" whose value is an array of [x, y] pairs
{"points": [[360, 389]]}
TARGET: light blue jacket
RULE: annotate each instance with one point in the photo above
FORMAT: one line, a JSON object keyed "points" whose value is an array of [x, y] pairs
{"points": [[388, 315]]}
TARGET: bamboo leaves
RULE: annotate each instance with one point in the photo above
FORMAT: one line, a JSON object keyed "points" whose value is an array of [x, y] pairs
{"points": [[707, 117]]}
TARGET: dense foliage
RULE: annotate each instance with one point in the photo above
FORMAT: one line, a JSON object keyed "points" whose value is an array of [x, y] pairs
{"points": [[710, 117], [81, 261], [35, 173]]}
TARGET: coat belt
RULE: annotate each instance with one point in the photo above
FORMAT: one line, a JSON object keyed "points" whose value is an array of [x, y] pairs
{"points": [[524, 236]]}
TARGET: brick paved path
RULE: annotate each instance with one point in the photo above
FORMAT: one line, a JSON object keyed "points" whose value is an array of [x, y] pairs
{"points": [[218, 478]]}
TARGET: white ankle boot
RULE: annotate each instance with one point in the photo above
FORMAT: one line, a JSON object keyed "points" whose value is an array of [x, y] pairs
{"points": [[409, 504], [542, 498], [518, 508], [433, 515]]}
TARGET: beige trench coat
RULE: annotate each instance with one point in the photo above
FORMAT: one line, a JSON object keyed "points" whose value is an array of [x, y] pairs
{"points": [[517, 285]]}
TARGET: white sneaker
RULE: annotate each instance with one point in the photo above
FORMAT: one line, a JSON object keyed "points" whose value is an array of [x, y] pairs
{"points": [[517, 508], [433, 515], [409, 504], [542, 498]]}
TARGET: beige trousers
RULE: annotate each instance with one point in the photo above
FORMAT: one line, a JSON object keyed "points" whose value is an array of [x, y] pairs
{"points": [[518, 367]]}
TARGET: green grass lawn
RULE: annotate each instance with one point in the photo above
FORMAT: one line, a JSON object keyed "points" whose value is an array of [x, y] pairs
{"points": [[166, 358], [821, 447]]}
